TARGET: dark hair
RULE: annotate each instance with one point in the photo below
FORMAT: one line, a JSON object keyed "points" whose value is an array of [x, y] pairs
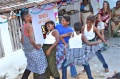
{"points": [[108, 8], [117, 2], [23, 14], [83, 1], [117, 75], [46, 26], [91, 18], [110, 78], [49, 22], [77, 26], [67, 18]]}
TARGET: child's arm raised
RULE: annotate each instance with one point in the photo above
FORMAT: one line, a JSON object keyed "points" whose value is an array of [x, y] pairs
{"points": [[63, 36], [84, 39], [98, 33], [30, 32], [55, 33]]}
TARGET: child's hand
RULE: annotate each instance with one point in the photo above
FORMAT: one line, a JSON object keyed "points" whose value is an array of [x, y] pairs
{"points": [[48, 52], [105, 24], [99, 41], [38, 46], [65, 46], [107, 43]]}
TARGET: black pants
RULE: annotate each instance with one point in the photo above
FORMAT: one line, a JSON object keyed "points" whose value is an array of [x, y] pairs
{"points": [[27, 73]]}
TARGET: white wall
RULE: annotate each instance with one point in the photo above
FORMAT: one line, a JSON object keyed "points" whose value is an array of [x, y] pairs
{"points": [[13, 63]]}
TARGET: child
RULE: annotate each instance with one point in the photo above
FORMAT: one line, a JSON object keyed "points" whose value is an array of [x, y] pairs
{"points": [[116, 76], [36, 60], [89, 31], [63, 29], [50, 43], [75, 52]]}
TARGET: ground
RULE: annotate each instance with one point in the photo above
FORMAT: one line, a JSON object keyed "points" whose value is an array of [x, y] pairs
{"points": [[112, 57]]}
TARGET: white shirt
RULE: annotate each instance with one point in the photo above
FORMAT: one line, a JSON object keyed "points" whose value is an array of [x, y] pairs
{"points": [[89, 34], [50, 39], [76, 41]]}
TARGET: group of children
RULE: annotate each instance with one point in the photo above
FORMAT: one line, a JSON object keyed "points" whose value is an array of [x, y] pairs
{"points": [[62, 47]]}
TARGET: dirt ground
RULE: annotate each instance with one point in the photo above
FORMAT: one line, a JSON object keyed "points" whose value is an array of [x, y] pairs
{"points": [[112, 57]]}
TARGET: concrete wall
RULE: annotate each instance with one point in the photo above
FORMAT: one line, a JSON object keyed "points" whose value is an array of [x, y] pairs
{"points": [[74, 17], [76, 6], [13, 63]]}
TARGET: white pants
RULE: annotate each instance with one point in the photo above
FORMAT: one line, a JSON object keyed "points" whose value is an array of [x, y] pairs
{"points": [[100, 26]]}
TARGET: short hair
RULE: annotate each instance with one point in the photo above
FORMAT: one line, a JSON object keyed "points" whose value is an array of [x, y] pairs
{"points": [[67, 18], [117, 75], [77, 26], [91, 18], [23, 14], [110, 78]]}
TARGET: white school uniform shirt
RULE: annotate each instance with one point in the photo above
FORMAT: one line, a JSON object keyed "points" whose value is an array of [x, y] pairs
{"points": [[89, 34], [76, 41], [50, 39]]}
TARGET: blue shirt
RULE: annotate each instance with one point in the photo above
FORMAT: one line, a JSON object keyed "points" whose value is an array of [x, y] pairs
{"points": [[82, 7], [64, 30]]}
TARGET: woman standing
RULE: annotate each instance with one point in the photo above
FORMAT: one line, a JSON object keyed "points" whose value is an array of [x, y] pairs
{"points": [[104, 16], [36, 60], [86, 10], [50, 43]]}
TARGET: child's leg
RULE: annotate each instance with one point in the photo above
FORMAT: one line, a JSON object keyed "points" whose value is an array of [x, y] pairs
{"points": [[52, 64], [101, 28], [51, 59], [101, 58], [26, 74], [88, 71], [64, 70], [68, 62], [42, 76], [73, 71]]}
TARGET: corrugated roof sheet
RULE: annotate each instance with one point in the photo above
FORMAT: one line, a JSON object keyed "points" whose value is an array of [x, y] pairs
{"points": [[10, 5]]}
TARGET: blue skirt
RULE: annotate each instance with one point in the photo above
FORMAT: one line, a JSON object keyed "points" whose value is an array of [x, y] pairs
{"points": [[79, 56], [36, 61]]}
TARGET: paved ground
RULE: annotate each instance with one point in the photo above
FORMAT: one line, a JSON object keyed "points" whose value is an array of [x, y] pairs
{"points": [[112, 57]]}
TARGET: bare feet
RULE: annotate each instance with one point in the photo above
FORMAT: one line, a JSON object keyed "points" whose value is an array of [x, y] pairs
{"points": [[106, 70], [76, 77], [84, 70]]}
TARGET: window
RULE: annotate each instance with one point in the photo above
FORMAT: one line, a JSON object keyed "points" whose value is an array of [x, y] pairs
{"points": [[15, 32], [2, 53]]}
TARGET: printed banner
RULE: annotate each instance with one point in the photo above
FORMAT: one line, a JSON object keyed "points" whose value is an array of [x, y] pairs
{"points": [[38, 21]]}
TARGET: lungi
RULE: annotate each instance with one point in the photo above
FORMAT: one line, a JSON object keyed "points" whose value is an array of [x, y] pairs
{"points": [[79, 56], [60, 55], [36, 61], [51, 59]]}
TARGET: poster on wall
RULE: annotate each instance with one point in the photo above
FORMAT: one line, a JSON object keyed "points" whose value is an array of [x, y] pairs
{"points": [[39, 17]]}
